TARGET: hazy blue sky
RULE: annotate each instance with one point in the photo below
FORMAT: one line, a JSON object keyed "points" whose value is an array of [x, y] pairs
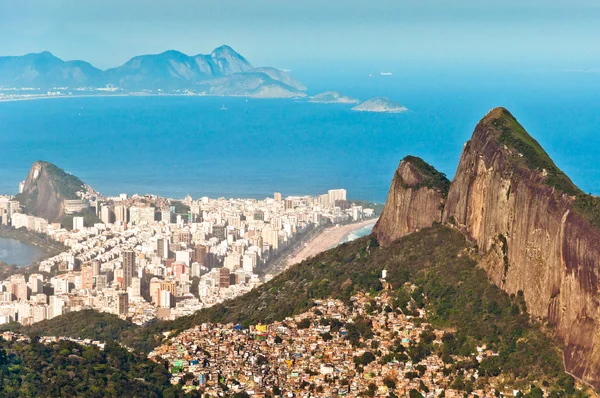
{"points": [[288, 33]]}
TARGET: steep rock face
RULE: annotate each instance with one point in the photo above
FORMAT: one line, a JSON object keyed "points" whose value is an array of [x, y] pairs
{"points": [[415, 200], [45, 190], [520, 209]]}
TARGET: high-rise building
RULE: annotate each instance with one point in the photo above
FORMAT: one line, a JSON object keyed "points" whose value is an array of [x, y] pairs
{"points": [[107, 215], [165, 299], [56, 306], [336, 194], [224, 280], [200, 254], [196, 270], [289, 204], [100, 282], [128, 267], [184, 256], [121, 214], [136, 287], [178, 269], [142, 215], [167, 216], [162, 248], [95, 268], [86, 277], [78, 224], [277, 196], [19, 287], [36, 283], [122, 304]]}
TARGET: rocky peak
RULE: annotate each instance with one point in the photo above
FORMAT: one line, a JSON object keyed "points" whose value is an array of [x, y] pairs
{"points": [[415, 200], [229, 61], [46, 188], [535, 233]]}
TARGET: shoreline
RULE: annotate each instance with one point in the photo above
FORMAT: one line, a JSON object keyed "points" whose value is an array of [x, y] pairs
{"points": [[326, 240], [138, 94]]}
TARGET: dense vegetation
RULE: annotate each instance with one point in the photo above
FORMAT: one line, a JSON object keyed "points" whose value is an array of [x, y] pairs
{"points": [[105, 327], [514, 135], [67, 369], [89, 218], [431, 177], [455, 293], [67, 185]]}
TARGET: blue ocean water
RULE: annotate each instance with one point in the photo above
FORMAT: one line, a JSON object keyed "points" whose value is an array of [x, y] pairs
{"points": [[358, 233], [174, 146]]}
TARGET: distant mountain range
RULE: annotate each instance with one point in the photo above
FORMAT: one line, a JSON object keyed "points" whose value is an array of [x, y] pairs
{"points": [[224, 72]]}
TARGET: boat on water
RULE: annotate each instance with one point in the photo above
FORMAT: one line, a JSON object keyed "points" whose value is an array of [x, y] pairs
{"points": [[386, 73], [223, 108]]}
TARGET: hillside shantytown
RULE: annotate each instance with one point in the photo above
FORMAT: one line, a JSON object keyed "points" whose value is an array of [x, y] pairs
{"points": [[148, 257]]}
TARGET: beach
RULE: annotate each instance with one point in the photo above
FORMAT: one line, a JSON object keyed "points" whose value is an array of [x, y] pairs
{"points": [[327, 239]]}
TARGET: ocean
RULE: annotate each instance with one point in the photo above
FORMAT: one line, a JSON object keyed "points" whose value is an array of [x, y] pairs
{"points": [[174, 146], [358, 233]]}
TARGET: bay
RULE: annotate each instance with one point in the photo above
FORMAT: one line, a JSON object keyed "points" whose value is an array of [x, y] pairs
{"points": [[174, 146]]}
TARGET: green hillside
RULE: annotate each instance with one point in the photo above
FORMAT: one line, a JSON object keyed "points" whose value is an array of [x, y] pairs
{"points": [[68, 369], [439, 261]]}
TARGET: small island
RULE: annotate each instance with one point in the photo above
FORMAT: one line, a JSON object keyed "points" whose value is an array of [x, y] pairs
{"points": [[333, 97], [380, 104]]}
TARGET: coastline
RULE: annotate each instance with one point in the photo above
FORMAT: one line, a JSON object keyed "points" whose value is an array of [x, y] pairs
{"points": [[326, 240]]}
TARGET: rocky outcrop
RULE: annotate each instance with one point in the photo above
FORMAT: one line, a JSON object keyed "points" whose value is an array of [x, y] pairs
{"points": [[521, 210], [380, 105], [536, 232], [415, 200], [333, 97], [46, 189]]}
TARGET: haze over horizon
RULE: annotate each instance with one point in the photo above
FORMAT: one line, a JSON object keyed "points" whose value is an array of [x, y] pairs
{"points": [[537, 35]]}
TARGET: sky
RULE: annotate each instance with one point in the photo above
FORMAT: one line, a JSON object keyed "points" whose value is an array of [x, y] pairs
{"points": [[320, 33]]}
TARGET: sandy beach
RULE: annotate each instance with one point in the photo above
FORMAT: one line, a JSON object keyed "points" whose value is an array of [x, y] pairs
{"points": [[326, 240]]}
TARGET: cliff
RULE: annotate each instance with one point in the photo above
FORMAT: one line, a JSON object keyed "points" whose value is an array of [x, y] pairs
{"points": [[415, 200], [533, 228], [46, 188]]}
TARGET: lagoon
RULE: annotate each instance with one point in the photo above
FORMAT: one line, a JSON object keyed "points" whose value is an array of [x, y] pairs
{"points": [[14, 252]]}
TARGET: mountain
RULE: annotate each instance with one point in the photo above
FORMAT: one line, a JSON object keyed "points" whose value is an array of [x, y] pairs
{"points": [[415, 200], [381, 105], [222, 72], [249, 84], [537, 233], [173, 70], [333, 97], [46, 189], [280, 76], [228, 61], [44, 70]]}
